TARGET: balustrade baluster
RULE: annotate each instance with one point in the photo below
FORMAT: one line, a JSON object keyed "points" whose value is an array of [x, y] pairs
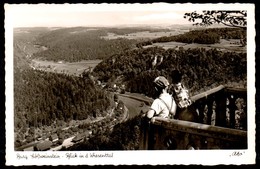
{"points": [[210, 110], [201, 108], [245, 109], [232, 108], [221, 109], [144, 134]]}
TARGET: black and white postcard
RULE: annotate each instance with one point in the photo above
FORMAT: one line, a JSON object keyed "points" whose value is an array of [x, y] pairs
{"points": [[110, 84]]}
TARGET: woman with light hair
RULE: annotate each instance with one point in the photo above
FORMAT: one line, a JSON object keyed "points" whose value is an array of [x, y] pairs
{"points": [[164, 105]]}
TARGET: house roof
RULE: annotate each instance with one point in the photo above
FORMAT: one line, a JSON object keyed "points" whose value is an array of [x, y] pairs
{"points": [[44, 145]]}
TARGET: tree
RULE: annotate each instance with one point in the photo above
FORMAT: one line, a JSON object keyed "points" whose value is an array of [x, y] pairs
{"points": [[227, 18]]}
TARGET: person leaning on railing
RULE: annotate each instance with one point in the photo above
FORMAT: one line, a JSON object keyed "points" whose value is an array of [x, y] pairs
{"points": [[185, 109], [164, 104]]}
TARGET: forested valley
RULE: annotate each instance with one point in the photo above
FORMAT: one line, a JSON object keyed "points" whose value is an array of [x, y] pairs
{"points": [[43, 99]]}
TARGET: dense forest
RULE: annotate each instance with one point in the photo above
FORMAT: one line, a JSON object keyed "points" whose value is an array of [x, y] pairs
{"points": [[42, 97], [201, 36], [200, 67], [76, 44]]}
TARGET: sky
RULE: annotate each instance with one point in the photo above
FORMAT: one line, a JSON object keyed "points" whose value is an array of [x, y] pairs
{"points": [[69, 15]]}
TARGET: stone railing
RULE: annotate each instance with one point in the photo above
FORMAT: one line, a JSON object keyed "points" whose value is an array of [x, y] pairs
{"points": [[222, 106], [222, 115]]}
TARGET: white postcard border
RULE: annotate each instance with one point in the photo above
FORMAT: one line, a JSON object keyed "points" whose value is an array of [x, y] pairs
{"points": [[205, 157]]}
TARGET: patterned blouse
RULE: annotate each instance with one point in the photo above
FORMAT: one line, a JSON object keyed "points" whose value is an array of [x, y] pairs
{"points": [[181, 95]]}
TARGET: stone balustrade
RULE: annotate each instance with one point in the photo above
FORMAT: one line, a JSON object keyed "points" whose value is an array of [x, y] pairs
{"points": [[222, 124]]}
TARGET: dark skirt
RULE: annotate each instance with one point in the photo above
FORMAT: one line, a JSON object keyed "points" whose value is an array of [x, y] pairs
{"points": [[188, 114]]}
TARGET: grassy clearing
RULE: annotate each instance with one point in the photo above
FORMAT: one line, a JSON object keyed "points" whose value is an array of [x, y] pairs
{"points": [[224, 45], [144, 34], [72, 68]]}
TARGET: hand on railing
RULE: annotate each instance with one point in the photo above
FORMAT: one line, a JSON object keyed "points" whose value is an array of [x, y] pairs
{"points": [[144, 117]]}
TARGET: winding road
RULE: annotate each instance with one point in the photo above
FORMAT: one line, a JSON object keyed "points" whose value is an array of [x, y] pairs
{"points": [[134, 103]]}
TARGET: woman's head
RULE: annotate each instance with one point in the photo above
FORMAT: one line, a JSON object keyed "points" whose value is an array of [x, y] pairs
{"points": [[161, 83], [176, 76]]}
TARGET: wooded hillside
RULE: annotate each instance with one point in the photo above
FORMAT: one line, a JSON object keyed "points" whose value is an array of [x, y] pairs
{"points": [[42, 97], [201, 36], [82, 43], [200, 68]]}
